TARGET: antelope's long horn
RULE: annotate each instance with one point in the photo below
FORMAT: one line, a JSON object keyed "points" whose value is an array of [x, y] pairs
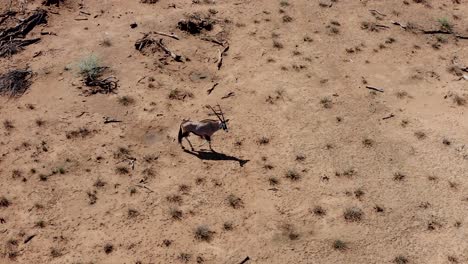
{"points": [[221, 112], [214, 111]]}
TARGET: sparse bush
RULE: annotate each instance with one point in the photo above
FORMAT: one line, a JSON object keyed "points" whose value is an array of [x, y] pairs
{"points": [[398, 176], [175, 213], [400, 260], [132, 213], [90, 67], [106, 42], [368, 142], [92, 197], [459, 100], [340, 245], [290, 232], [273, 181], [293, 175], [99, 183], [108, 248], [277, 44], [177, 94], [300, 157], [81, 132], [326, 102], [4, 202], [126, 100], [184, 257], [122, 170], [263, 141], [234, 201], [40, 122], [40, 224], [204, 233], [353, 214], [287, 19], [420, 134], [8, 125], [175, 198], [228, 226], [55, 253], [445, 24], [319, 211]]}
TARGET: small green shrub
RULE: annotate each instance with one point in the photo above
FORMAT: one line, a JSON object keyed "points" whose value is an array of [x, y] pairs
{"points": [[90, 67]]}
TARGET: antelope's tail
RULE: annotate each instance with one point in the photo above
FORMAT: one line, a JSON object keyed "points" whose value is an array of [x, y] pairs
{"points": [[179, 137]]}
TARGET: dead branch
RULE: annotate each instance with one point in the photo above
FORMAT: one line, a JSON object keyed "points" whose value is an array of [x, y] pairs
{"points": [[176, 57], [375, 89], [108, 120], [22, 29], [10, 47], [220, 56], [228, 95], [29, 238], [15, 83], [245, 260], [399, 24], [437, 32], [171, 35], [376, 11], [104, 86], [210, 39], [212, 88], [6, 15], [144, 187], [80, 115], [461, 37], [388, 117], [144, 42]]}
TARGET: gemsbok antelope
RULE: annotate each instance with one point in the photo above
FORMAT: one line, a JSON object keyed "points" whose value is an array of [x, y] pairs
{"points": [[204, 128]]}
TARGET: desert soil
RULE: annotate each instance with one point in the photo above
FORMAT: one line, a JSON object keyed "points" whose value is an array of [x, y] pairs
{"points": [[332, 171]]}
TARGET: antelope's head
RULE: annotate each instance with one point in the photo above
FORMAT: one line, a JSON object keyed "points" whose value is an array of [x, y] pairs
{"points": [[222, 120]]}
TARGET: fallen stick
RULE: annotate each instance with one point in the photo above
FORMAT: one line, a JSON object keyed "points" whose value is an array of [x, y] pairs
{"points": [[144, 187], [220, 57], [461, 37], [37, 54], [80, 115], [228, 95], [6, 15], [171, 35], [376, 11], [176, 57], [399, 24], [388, 117], [437, 32], [212, 88], [29, 238], [85, 13], [245, 260], [375, 89], [80, 19], [210, 39], [108, 120]]}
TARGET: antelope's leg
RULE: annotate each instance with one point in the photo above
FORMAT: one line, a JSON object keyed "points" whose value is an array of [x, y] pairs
{"points": [[208, 138], [190, 143]]}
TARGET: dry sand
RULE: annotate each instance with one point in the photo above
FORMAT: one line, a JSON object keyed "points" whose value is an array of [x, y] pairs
{"points": [[318, 142]]}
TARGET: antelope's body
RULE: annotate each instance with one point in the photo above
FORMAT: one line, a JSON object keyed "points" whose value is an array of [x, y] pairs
{"points": [[204, 129]]}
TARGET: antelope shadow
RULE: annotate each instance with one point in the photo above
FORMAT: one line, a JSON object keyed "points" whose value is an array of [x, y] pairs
{"points": [[212, 155]]}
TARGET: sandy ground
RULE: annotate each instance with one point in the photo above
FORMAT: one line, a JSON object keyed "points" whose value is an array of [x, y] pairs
{"points": [[336, 172]]}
